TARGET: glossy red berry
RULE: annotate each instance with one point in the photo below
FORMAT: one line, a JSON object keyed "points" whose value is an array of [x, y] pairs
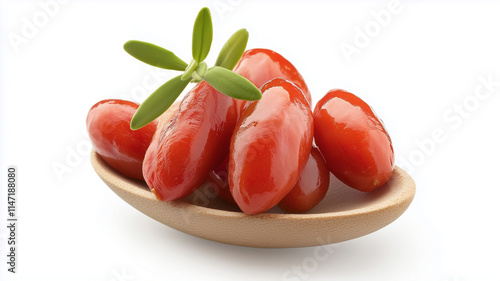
{"points": [[353, 141]]}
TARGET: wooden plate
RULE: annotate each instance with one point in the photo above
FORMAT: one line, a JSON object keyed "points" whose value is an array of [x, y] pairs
{"points": [[344, 214]]}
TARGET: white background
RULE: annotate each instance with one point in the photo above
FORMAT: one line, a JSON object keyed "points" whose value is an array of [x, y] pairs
{"points": [[418, 69]]}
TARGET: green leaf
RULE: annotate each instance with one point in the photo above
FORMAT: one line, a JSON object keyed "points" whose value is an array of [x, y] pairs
{"points": [[158, 102], [232, 84], [154, 55], [193, 65], [233, 50], [202, 35]]}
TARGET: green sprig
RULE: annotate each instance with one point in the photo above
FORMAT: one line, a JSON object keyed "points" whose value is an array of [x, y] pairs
{"points": [[232, 84], [233, 49], [158, 102], [154, 55], [219, 76], [202, 35]]}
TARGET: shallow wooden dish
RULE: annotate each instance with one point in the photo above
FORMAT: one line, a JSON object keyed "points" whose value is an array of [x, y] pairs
{"points": [[344, 214]]}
